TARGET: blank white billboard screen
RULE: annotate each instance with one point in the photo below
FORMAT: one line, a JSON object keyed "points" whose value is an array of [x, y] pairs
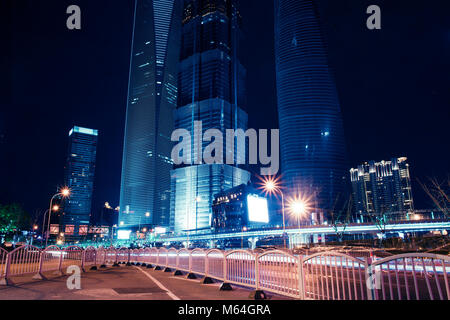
{"points": [[258, 210], [123, 234]]}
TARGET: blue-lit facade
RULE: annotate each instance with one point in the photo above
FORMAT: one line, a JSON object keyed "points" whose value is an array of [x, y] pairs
{"points": [[79, 177], [152, 99], [211, 89], [313, 153]]}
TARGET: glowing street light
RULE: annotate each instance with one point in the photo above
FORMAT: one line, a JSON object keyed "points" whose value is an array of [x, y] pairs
{"points": [[299, 206], [64, 193], [55, 208], [271, 185]]}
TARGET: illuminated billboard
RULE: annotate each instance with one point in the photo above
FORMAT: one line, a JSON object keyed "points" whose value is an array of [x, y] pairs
{"points": [[160, 230], [123, 234], [258, 210]]}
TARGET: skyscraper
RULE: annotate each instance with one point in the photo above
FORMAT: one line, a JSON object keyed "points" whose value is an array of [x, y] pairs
{"points": [[211, 89], [313, 154], [382, 187], [79, 177], [152, 98]]}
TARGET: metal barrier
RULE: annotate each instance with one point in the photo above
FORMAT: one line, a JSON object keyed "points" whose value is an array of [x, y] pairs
{"points": [[3, 256], [279, 272], [326, 275], [23, 260], [123, 255], [51, 259], [240, 267], [198, 262], [417, 276], [134, 254], [111, 256], [100, 257], [172, 255], [215, 264], [184, 259], [90, 257], [162, 257], [153, 256], [333, 276], [72, 255]]}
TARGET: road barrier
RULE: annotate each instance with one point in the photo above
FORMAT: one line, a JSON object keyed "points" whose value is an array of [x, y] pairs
{"points": [[326, 275], [3, 255]]}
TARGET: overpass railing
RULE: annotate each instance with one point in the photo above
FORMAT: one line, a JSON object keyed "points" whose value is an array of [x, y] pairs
{"points": [[326, 275]]}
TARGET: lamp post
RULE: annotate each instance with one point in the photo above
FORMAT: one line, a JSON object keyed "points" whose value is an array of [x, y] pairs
{"points": [[65, 192], [271, 185], [244, 229], [298, 206]]}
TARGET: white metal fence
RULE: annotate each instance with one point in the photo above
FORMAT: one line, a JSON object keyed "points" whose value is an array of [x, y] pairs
{"points": [[326, 275]]}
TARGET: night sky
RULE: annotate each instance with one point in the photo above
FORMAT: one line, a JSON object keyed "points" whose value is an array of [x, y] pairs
{"points": [[393, 85]]}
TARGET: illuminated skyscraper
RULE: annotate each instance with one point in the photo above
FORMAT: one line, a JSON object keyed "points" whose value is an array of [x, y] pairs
{"points": [[152, 98], [211, 89], [382, 187], [79, 177], [313, 153]]}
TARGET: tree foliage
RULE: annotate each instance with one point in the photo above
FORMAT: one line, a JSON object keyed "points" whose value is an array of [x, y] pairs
{"points": [[12, 218]]}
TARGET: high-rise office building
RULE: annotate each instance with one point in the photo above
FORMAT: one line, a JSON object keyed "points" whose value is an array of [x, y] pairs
{"points": [[313, 153], [382, 187], [152, 99], [211, 89], [79, 177]]}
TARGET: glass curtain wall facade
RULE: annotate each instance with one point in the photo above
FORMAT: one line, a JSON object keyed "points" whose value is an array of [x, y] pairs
{"points": [[152, 99], [313, 153], [211, 89], [79, 177]]}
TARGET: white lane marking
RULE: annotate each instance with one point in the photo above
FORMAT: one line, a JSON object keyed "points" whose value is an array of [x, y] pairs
{"points": [[159, 284]]}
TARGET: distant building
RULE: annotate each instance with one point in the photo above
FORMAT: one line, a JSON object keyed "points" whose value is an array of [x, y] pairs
{"points": [[152, 99], [108, 216], [238, 208], [79, 177], [211, 89], [313, 152], [382, 187]]}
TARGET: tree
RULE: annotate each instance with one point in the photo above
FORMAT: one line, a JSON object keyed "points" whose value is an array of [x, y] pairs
{"points": [[381, 221], [12, 218], [339, 222], [438, 193]]}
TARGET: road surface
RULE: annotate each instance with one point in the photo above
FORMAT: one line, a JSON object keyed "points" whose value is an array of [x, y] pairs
{"points": [[121, 283]]}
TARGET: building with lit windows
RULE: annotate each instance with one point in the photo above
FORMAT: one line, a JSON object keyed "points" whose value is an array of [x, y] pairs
{"points": [[382, 187], [152, 99], [239, 208], [313, 152], [79, 177], [211, 89]]}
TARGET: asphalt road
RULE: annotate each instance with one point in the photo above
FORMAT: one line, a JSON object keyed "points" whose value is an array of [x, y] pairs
{"points": [[121, 283]]}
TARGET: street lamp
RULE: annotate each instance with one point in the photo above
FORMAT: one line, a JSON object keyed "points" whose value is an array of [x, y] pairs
{"points": [[64, 192], [55, 208], [298, 208], [271, 185], [244, 229]]}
